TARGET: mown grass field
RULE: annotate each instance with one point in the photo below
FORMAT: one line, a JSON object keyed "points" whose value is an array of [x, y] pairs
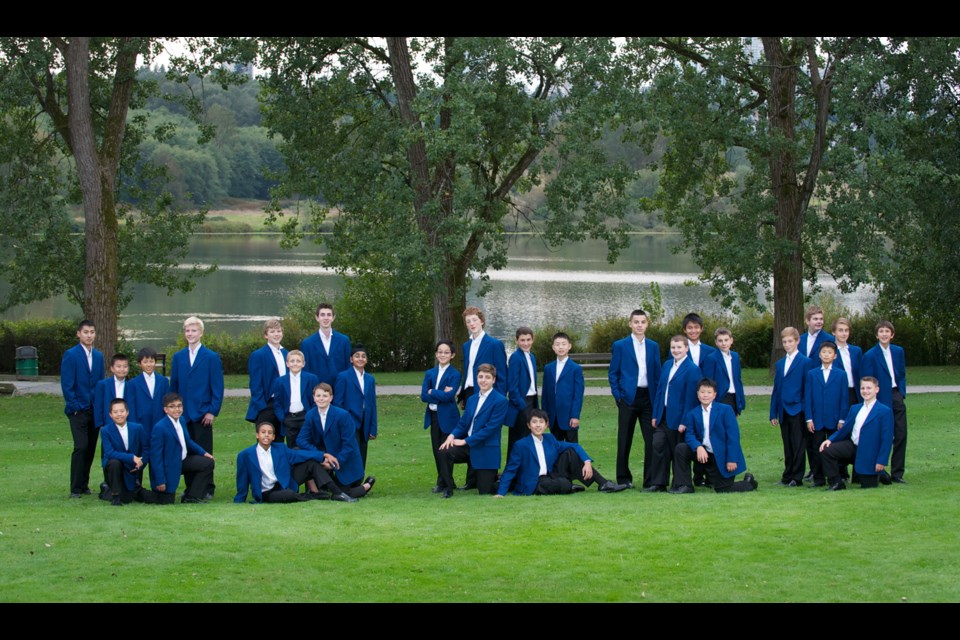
{"points": [[402, 543]]}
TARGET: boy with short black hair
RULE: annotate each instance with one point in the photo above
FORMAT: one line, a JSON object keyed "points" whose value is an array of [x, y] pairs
{"points": [[115, 386], [521, 387], [676, 396], [148, 389], [563, 388], [697, 351], [786, 406], [80, 369], [264, 366], [825, 405], [174, 453], [291, 397], [356, 391], [439, 391], [542, 465], [887, 363], [123, 456], [327, 352]]}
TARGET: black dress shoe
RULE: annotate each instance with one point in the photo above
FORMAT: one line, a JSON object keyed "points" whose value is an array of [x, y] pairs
{"points": [[436, 489], [370, 481], [185, 499], [207, 496], [467, 487], [749, 478], [899, 480], [105, 492], [319, 495], [700, 483], [76, 495], [884, 478], [654, 488], [447, 493], [87, 491], [809, 476], [681, 489], [627, 485], [795, 483], [578, 488], [840, 486], [611, 487], [116, 502], [342, 497]]}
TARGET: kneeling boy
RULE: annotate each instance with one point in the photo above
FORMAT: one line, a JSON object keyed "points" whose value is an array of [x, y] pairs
{"points": [[545, 466], [172, 452]]}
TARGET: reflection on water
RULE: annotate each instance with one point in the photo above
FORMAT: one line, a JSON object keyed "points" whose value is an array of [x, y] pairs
{"points": [[571, 286]]}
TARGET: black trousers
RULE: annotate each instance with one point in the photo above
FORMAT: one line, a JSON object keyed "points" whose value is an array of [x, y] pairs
{"points": [[362, 443], [683, 455], [197, 475], [665, 441], [485, 478], [85, 436], [308, 470], [627, 417], [568, 467], [113, 473], [267, 414], [840, 454], [292, 423], [793, 431], [898, 458], [816, 459], [203, 436], [471, 480], [519, 428], [564, 435]]}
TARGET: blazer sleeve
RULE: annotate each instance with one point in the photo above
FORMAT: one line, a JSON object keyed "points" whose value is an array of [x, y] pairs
{"points": [[578, 390], [243, 480], [157, 463], [614, 375], [216, 385], [370, 386]]}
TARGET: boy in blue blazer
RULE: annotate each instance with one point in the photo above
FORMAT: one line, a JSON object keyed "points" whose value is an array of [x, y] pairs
{"points": [[147, 389], [265, 365], [477, 436], [786, 406], [563, 391], [291, 397], [332, 431], [849, 357], [723, 367], [439, 391], [712, 437], [116, 386], [676, 396], [634, 374], [825, 405], [865, 440], [356, 391], [123, 457], [542, 465], [174, 453], [273, 472], [521, 387], [886, 362], [814, 336], [197, 375], [697, 351], [81, 368], [481, 349], [327, 352]]}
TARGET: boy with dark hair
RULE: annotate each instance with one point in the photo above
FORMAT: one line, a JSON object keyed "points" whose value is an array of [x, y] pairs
{"points": [[825, 405], [542, 465], [356, 391], [849, 357], [712, 437], [676, 396], [634, 374], [265, 365], [327, 352], [563, 388], [123, 456], [273, 472], [693, 327], [173, 452], [439, 391], [291, 397], [865, 440], [814, 336], [786, 406], [80, 370], [521, 387], [147, 389], [723, 367], [113, 387], [886, 362]]}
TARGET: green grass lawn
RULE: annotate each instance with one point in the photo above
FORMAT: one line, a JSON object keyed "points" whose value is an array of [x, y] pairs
{"points": [[898, 543]]}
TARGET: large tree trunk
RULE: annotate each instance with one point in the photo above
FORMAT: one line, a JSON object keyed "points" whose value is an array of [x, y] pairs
{"points": [[781, 115]]}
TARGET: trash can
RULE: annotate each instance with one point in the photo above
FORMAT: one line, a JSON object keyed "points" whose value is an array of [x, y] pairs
{"points": [[27, 368]]}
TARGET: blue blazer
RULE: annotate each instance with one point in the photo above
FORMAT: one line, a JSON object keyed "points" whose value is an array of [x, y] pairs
{"points": [[113, 449], [447, 412], [103, 394], [624, 370], [326, 367], [714, 367], [201, 385], [518, 384], [724, 436], [856, 357], [340, 441], [876, 437], [484, 443], [491, 351], [77, 381], [144, 409], [165, 454], [874, 364], [826, 403], [563, 398], [787, 396], [250, 477], [524, 465], [282, 393], [705, 352], [362, 405], [683, 392], [262, 367], [822, 337]]}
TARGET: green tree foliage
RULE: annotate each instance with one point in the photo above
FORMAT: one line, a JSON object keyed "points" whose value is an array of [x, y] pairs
{"points": [[418, 147]]}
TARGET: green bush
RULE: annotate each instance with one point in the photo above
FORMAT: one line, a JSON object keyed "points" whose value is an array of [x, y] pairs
{"points": [[605, 331], [51, 337]]}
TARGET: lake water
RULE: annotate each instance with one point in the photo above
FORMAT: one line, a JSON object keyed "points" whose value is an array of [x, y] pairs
{"points": [[571, 286]]}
